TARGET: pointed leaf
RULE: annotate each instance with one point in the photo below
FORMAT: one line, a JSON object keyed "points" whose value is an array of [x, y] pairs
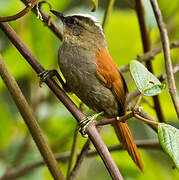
{"points": [[169, 140], [145, 81]]}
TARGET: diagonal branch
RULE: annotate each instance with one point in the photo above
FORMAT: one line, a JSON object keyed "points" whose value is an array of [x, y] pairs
{"points": [[30, 121], [29, 6], [53, 26], [166, 49], [91, 129]]}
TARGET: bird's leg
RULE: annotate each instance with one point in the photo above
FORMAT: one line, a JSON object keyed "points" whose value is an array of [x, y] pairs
{"points": [[83, 124], [51, 73]]}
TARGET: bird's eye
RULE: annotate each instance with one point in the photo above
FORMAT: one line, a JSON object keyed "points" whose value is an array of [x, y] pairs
{"points": [[71, 21]]}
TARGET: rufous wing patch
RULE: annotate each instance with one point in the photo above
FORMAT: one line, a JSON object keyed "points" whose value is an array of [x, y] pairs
{"points": [[109, 74]]}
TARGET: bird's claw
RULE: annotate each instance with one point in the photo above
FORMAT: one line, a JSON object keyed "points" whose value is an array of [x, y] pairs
{"points": [[83, 124], [43, 76]]}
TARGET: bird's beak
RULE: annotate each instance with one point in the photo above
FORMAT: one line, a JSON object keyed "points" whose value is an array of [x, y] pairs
{"points": [[59, 15]]}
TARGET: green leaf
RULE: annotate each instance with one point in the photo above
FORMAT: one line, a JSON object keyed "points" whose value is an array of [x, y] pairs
{"points": [[169, 139], [95, 5], [145, 81]]}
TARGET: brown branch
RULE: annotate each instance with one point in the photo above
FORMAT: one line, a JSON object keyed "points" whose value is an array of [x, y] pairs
{"points": [[145, 115], [53, 26], [166, 49], [141, 115], [136, 107], [146, 42], [63, 157], [145, 120], [80, 159], [91, 129], [30, 121], [149, 55], [111, 120], [29, 6], [135, 113]]}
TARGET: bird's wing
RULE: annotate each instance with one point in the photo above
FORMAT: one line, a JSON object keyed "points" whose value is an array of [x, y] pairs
{"points": [[108, 73]]}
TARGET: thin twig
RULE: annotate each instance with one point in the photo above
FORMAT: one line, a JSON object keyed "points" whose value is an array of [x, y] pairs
{"points": [[63, 157], [138, 102], [91, 129], [166, 49], [103, 122], [73, 152], [30, 121], [145, 115], [146, 42], [149, 55], [80, 159], [145, 120], [107, 14], [135, 113], [29, 6]]}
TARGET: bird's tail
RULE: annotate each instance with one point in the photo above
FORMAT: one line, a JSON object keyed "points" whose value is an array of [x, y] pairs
{"points": [[125, 137]]}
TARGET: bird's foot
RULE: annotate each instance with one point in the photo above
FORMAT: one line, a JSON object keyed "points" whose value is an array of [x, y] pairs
{"points": [[44, 75], [83, 124]]}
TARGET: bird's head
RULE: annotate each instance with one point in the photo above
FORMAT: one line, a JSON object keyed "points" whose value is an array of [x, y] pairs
{"points": [[81, 28]]}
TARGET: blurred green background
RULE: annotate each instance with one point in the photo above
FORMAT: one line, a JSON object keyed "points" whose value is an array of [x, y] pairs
{"points": [[124, 43]]}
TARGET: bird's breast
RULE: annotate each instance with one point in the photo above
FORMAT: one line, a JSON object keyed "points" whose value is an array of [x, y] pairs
{"points": [[78, 66]]}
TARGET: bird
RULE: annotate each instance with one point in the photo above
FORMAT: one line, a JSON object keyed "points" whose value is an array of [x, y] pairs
{"points": [[92, 75]]}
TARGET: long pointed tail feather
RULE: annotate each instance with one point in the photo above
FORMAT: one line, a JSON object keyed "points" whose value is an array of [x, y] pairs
{"points": [[125, 137]]}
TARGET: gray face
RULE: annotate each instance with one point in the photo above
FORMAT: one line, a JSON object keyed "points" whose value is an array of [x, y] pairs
{"points": [[79, 24], [82, 30], [72, 26]]}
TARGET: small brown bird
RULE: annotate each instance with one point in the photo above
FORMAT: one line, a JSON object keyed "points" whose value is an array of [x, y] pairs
{"points": [[92, 75]]}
